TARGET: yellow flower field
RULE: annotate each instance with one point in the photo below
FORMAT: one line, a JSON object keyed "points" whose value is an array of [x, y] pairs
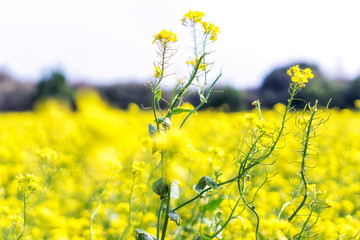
{"points": [[88, 174]]}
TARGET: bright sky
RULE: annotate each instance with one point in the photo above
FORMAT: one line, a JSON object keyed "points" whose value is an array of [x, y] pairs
{"points": [[104, 41]]}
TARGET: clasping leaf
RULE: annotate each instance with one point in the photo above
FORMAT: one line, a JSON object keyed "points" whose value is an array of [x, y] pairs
{"points": [[203, 183], [217, 224], [152, 130], [174, 217], [160, 187], [142, 235]]}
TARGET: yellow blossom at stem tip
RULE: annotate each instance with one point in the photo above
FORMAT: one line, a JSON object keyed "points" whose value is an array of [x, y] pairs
{"points": [[211, 30], [165, 36], [194, 17], [300, 76]]}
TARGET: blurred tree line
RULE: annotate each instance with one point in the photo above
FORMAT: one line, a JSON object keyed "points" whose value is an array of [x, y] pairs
{"points": [[16, 96]]}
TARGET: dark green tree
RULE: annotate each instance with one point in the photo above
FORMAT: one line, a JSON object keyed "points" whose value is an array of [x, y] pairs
{"points": [[229, 97], [352, 92], [54, 85]]}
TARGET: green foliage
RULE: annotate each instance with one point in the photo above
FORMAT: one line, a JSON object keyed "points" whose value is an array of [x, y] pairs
{"points": [[229, 98], [352, 92], [54, 86]]}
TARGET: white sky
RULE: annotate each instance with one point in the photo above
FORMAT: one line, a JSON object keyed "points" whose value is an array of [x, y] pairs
{"points": [[104, 41]]}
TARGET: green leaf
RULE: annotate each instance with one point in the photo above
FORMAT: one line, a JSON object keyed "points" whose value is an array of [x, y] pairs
{"points": [[203, 183], [174, 217], [158, 94], [142, 235], [160, 187], [217, 224], [165, 122], [212, 205], [152, 130], [180, 110]]}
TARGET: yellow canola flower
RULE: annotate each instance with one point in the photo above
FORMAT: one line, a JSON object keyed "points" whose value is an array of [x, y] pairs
{"points": [[210, 29], [194, 62], [165, 36], [300, 76], [27, 182], [47, 154], [194, 17], [157, 73], [86, 143]]}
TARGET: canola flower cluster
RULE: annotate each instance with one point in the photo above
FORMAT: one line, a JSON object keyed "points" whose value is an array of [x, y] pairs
{"points": [[195, 62], [90, 173], [300, 76], [165, 36], [194, 17]]}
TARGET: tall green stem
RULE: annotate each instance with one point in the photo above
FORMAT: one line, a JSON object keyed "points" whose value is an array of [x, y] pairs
{"points": [[166, 214], [303, 165], [155, 89], [158, 220]]}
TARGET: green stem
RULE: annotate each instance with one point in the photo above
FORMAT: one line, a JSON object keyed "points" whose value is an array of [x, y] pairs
{"points": [[228, 220], [20, 236], [184, 89], [25, 216], [305, 223], [204, 191], [231, 214], [252, 208], [173, 94], [166, 214], [202, 103], [158, 220], [157, 85], [303, 165], [292, 95]]}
